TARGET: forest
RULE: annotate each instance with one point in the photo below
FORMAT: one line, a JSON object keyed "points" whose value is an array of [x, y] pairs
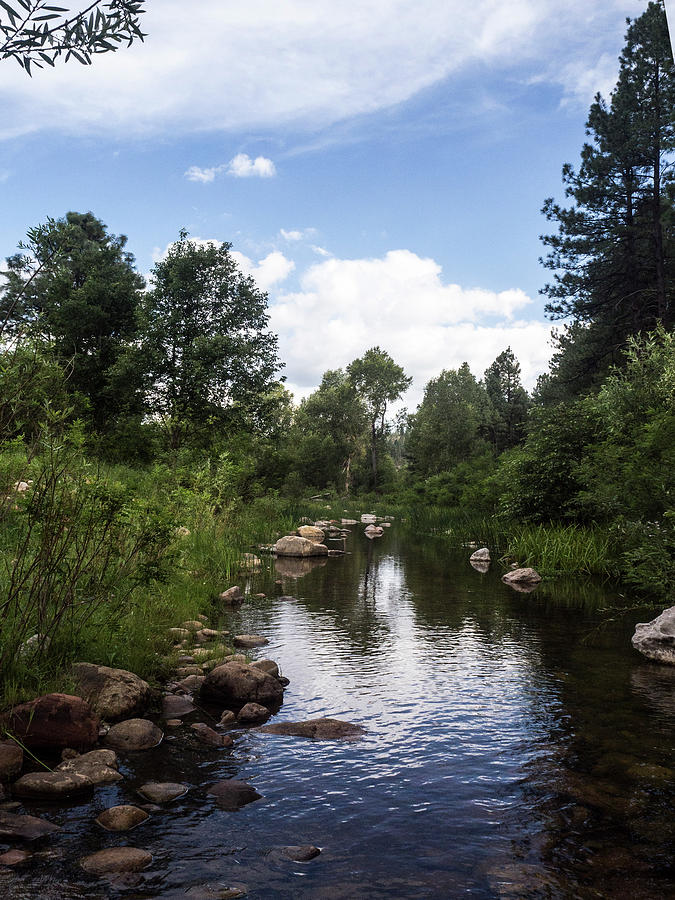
{"points": [[148, 440]]}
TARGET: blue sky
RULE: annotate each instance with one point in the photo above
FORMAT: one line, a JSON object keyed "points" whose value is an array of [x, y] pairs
{"points": [[379, 168]]}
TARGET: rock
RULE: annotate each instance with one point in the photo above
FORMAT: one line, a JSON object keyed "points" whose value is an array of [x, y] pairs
{"points": [[250, 640], [319, 729], [374, 531], [301, 854], [112, 693], [235, 684], [52, 722], [480, 565], [261, 596], [162, 791], [227, 717], [14, 857], [121, 818], [368, 519], [134, 734], [312, 533], [232, 795], [296, 567], [267, 665], [206, 634], [292, 545], [332, 553], [116, 859], [185, 660], [522, 576], [173, 723], [174, 707], [253, 713], [249, 563], [184, 671], [482, 555], [210, 737], [179, 634], [232, 596], [24, 828], [11, 760], [99, 766], [213, 892], [656, 639], [182, 531], [191, 683], [51, 785], [192, 625], [348, 522]]}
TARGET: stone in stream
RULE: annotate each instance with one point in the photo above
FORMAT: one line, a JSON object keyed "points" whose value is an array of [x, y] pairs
{"points": [[253, 713], [297, 567], [192, 625], [212, 892], [52, 722], [51, 785], [656, 639], [480, 565], [121, 818], [318, 729], [191, 683], [173, 723], [14, 857], [250, 640], [301, 853], [116, 859], [100, 766], [184, 671], [292, 545], [134, 734], [232, 596], [482, 555], [112, 693], [24, 828], [312, 533], [11, 760], [162, 791], [267, 665], [210, 737], [227, 717], [235, 684], [373, 531], [173, 707], [522, 576], [232, 794]]}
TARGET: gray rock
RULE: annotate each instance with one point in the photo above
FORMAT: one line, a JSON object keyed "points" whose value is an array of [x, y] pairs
{"points": [[210, 737], [24, 828], [232, 596], [100, 766], [292, 545], [134, 734], [122, 818], [267, 665], [253, 713], [232, 794], [174, 707], [482, 555], [250, 640], [112, 693], [162, 791], [656, 639], [522, 576], [312, 533], [51, 785], [318, 729], [235, 684], [191, 683], [116, 859], [302, 853]]}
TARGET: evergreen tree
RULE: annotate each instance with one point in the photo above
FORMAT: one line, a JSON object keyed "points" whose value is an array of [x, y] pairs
{"points": [[507, 402]]}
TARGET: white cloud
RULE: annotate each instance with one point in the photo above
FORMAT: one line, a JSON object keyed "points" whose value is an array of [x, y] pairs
{"points": [[291, 235], [401, 303], [321, 251], [204, 176], [274, 268], [230, 66], [242, 166]]}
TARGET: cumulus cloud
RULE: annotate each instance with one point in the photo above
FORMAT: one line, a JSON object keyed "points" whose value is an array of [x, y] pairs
{"points": [[228, 66], [401, 303], [271, 270], [242, 166], [204, 176]]}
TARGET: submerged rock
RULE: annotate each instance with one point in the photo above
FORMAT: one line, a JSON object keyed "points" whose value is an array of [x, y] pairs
{"points": [[52, 785], [522, 577], [52, 722], [292, 545], [134, 734], [235, 684], [318, 729], [232, 795], [112, 693], [116, 859], [173, 707], [24, 828], [211, 738], [249, 640], [301, 853], [163, 791], [122, 818], [656, 639]]}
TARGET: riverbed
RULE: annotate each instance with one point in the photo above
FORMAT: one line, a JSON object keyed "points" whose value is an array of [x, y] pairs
{"points": [[516, 746]]}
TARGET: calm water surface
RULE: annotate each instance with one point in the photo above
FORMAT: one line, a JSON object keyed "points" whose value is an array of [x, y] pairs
{"points": [[516, 747]]}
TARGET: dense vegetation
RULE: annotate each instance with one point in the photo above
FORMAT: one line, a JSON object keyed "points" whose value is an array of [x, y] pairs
{"points": [[148, 440]]}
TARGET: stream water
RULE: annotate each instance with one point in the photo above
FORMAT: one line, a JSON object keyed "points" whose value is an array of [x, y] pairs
{"points": [[516, 747]]}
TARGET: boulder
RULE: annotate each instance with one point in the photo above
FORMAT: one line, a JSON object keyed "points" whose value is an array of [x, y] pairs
{"points": [[211, 738], [301, 854], [51, 785], [232, 795], [253, 713], [52, 722], [482, 555], [112, 693], [312, 533], [14, 857], [348, 522], [163, 791], [134, 734], [232, 596], [522, 576], [116, 859], [192, 625], [11, 760], [227, 717], [24, 828], [173, 707], [267, 665], [250, 640], [656, 639], [99, 766], [319, 729], [374, 531], [293, 545], [368, 519], [191, 683], [234, 684], [121, 818]]}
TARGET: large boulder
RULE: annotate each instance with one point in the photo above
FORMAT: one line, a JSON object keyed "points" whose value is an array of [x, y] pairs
{"points": [[312, 533], [99, 766], [235, 684], [51, 785], [656, 639], [318, 729], [293, 545], [53, 722], [112, 693], [522, 576], [11, 760], [133, 735], [373, 531]]}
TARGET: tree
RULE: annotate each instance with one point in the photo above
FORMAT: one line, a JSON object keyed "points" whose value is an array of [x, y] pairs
{"points": [[445, 429], [612, 251], [36, 34], [378, 381], [507, 402], [75, 290], [208, 359]]}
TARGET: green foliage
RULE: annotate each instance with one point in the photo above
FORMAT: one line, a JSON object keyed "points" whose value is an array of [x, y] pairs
{"points": [[507, 402]]}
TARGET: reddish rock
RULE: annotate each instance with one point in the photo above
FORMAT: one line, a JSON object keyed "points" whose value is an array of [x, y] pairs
{"points": [[210, 737], [24, 828], [11, 760], [112, 693], [235, 684], [116, 859], [253, 713], [53, 722], [14, 857]]}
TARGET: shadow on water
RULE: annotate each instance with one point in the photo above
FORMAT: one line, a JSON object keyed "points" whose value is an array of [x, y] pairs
{"points": [[516, 747]]}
